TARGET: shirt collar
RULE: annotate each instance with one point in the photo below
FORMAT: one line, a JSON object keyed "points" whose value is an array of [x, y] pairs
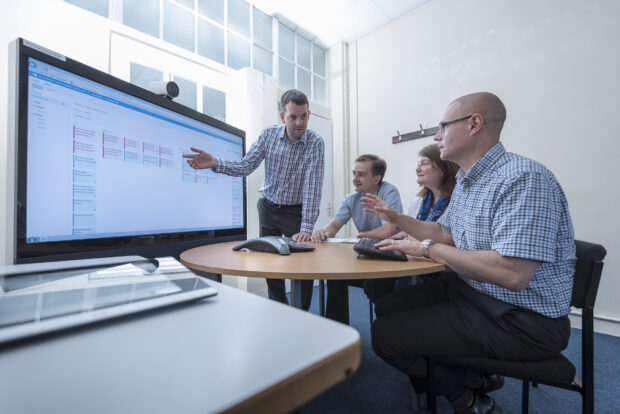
{"points": [[483, 164], [379, 188], [282, 135]]}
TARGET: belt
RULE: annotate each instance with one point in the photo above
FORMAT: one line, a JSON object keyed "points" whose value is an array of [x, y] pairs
{"points": [[276, 205]]}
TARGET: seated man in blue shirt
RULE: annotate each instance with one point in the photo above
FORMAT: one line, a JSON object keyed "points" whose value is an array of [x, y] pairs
{"points": [[509, 237], [367, 178]]}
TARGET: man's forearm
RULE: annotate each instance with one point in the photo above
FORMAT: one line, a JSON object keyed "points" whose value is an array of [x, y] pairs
{"points": [[423, 229], [381, 232], [310, 207], [312, 188], [512, 273], [333, 227]]}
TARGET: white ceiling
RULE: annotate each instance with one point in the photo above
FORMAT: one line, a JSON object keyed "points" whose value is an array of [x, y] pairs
{"points": [[331, 21]]}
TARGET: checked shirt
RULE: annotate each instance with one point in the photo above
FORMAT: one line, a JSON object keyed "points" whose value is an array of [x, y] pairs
{"points": [[515, 206], [293, 172]]}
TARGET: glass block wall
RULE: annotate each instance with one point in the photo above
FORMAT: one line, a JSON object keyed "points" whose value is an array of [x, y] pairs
{"points": [[233, 33]]}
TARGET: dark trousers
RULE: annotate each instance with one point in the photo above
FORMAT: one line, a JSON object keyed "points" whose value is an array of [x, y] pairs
{"points": [[337, 307], [275, 220], [449, 318]]}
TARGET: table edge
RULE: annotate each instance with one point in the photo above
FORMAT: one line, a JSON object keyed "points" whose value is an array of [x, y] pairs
{"points": [[294, 391]]}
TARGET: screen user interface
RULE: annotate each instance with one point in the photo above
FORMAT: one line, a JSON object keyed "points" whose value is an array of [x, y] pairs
{"points": [[103, 163]]}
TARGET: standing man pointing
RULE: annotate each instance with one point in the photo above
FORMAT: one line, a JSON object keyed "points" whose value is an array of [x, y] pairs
{"points": [[291, 192]]}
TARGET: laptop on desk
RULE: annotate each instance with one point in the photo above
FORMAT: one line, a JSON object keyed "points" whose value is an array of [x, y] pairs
{"points": [[47, 297]]}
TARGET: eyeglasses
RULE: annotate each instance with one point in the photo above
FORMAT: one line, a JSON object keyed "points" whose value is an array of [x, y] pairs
{"points": [[443, 125]]}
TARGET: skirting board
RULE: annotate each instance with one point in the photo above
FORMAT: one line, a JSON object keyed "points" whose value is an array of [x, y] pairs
{"points": [[601, 324]]}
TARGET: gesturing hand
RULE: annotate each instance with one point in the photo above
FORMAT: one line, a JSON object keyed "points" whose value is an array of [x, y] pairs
{"points": [[407, 246], [373, 204], [201, 160]]}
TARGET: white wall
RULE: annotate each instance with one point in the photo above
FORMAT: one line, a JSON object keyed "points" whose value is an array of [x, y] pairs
{"points": [[555, 65]]}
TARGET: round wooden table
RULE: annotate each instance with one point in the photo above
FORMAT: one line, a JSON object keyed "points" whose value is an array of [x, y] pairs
{"points": [[327, 261]]}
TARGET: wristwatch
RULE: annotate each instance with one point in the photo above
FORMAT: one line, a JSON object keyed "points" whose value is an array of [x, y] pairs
{"points": [[426, 244]]}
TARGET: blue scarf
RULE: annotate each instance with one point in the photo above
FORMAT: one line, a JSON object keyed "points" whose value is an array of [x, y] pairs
{"points": [[428, 214]]}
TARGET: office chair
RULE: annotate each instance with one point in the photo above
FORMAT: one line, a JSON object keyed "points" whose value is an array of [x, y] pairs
{"points": [[558, 371]]}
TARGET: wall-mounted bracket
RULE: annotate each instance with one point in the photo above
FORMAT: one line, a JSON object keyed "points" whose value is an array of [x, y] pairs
{"points": [[423, 132]]}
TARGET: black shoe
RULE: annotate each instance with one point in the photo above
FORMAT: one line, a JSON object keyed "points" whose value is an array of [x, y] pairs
{"points": [[491, 383], [483, 404]]}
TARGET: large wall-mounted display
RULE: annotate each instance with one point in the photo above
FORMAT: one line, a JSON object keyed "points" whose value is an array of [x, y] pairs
{"points": [[100, 170]]}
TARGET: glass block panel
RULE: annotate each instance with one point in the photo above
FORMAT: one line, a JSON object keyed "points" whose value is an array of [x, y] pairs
{"points": [[238, 52], [187, 3], [263, 34], [320, 90], [143, 75], [263, 60], [187, 92], [142, 15], [239, 17], [178, 26], [210, 41], [303, 81], [214, 103], [287, 42], [318, 63], [100, 7], [304, 52], [286, 78], [213, 9]]}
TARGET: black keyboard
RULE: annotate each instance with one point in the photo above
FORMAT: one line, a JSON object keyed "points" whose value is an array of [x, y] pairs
{"points": [[367, 247], [295, 247]]}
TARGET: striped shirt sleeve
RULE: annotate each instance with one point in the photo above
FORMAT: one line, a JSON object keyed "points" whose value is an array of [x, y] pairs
{"points": [[313, 185], [247, 164]]}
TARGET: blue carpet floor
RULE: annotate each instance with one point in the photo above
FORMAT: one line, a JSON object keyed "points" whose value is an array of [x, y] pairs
{"points": [[378, 388]]}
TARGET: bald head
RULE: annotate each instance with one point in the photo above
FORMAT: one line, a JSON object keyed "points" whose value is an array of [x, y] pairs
{"points": [[488, 105], [470, 127]]}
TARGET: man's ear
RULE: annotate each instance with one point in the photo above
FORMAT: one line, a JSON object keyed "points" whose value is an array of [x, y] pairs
{"points": [[282, 116], [377, 179], [476, 123]]}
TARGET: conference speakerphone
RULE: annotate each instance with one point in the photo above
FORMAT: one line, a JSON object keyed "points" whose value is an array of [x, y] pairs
{"points": [[274, 244]]}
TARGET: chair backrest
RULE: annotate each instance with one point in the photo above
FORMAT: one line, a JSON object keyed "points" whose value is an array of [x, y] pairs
{"points": [[585, 286]]}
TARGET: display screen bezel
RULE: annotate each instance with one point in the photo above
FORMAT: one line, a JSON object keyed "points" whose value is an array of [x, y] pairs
{"points": [[148, 245]]}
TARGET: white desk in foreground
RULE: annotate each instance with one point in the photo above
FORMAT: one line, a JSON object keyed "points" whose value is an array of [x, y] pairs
{"points": [[235, 352]]}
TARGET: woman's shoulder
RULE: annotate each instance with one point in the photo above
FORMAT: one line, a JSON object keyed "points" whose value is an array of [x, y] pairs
{"points": [[414, 207]]}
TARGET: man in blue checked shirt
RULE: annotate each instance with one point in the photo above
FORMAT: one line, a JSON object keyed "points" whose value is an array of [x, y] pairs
{"points": [[509, 236], [291, 192]]}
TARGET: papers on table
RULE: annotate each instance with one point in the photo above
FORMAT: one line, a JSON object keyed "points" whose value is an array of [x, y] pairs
{"points": [[351, 240]]}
